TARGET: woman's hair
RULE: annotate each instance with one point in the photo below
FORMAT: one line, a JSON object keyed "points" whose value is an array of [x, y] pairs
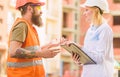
{"points": [[97, 17]]}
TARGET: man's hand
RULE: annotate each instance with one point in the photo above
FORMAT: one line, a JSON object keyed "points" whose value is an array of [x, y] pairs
{"points": [[49, 51]]}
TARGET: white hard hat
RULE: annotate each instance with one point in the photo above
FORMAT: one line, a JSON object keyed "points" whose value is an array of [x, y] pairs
{"points": [[102, 4]]}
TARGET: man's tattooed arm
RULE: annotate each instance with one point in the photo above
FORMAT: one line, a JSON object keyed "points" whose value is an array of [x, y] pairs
{"points": [[23, 53]]}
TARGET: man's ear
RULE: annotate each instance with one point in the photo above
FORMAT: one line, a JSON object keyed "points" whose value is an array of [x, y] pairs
{"points": [[30, 9]]}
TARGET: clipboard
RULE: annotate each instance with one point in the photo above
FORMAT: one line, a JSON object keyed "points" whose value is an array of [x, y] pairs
{"points": [[84, 58]]}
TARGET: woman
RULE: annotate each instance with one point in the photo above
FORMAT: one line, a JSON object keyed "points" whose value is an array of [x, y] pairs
{"points": [[98, 43]]}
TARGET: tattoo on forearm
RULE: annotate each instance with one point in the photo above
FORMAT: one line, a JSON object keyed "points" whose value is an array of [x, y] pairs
{"points": [[23, 53]]}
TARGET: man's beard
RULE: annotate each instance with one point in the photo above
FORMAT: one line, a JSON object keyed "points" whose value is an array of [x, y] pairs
{"points": [[37, 20]]}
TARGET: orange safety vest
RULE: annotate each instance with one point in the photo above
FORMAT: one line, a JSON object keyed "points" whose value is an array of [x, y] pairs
{"points": [[26, 67]]}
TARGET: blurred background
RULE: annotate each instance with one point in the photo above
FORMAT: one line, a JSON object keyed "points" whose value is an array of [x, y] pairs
{"points": [[61, 18]]}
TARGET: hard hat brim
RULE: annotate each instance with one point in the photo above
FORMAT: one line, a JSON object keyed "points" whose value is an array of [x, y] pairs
{"points": [[85, 5], [82, 5], [40, 3]]}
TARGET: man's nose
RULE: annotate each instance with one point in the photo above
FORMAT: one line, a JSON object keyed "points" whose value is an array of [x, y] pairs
{"points": [[85, 14]]}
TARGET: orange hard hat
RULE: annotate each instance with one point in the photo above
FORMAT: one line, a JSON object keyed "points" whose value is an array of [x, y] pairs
{"points": [[20, 3]]}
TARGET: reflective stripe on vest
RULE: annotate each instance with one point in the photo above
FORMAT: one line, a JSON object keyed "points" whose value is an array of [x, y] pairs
{"points": [[24, 64], [32, 48]]}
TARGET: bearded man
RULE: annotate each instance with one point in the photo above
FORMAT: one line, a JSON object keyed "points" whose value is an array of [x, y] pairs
{"points": [[25, 54]]}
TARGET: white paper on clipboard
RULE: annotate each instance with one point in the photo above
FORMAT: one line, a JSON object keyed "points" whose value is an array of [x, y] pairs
{"points": [[84, 58]]}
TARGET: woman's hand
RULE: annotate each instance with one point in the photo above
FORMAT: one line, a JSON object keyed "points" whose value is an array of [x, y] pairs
{"points": [[76, 58]]}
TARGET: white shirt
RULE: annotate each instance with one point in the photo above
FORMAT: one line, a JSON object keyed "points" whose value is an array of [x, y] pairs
{"points": [[98, 44]]}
